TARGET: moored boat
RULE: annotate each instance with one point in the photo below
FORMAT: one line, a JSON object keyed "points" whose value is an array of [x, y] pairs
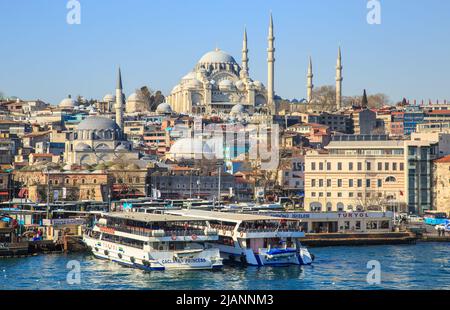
{"points": [[154, 241], [255, 239]]}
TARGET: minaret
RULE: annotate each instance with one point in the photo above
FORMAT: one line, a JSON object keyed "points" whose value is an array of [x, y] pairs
{"points": [[339, 81], [119, 101], [310, 85], [245, 54], [271, 67]]}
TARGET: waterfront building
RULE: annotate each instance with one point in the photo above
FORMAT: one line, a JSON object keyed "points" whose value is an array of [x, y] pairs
{"points": [[441, 184], [342, 222], [420, 157], [356, 175], [34, 184]]}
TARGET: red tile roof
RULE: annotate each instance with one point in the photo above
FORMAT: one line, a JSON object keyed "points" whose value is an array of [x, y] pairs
{"points": [[445, 159]]}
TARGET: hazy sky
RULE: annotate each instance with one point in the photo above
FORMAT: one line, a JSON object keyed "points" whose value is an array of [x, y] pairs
{"points": [[156, 42]]}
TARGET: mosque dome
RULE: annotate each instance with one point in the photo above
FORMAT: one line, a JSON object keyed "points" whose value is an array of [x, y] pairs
{"points": [[134, 97], [194, 83], [237, 109], [109, 98], [225, 85], [164, 108], [217, 56], [68, 103], [190, 148], [191, 75], [240, 85], [98, 123]]}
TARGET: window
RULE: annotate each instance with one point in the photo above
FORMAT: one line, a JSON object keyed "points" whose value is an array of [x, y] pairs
{"points": [[350, 194], [339, 195], [313, 183], [328, 183], [313, 166], [350, 183], [368, 183], [359, 166], [369, 166], [379, 183], [380, 166], [390, 179], [386, 166], [359, 183], [394, 166], [328, 166], [339, 182], [321, 166], [339, 166], [313, 194], [320, 183], [328, 194], [350, 166], [402, 166]]}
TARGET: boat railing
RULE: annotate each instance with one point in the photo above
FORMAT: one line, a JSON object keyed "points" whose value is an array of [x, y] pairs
{"points": [[146, 232]]}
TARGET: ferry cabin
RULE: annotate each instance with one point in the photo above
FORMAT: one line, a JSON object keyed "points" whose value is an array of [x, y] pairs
{"points": [[255, 239], [154, 241]]}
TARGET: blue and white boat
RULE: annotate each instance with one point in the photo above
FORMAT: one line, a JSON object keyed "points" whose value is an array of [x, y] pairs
{"points": [[256, 240], [154, 241]]}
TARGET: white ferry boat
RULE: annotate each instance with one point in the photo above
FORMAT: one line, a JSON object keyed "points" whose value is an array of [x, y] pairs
{"points": [[255, 239], [154, 241]]}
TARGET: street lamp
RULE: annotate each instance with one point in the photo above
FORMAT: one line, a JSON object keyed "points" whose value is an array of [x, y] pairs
{"points": [[219, 165]]}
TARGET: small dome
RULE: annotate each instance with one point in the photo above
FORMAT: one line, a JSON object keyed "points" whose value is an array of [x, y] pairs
{"points": [[134, 97], [194, 83], [191, 75], [82, 147], [240, 85], [217, 56], [164, 108], [98, 123], [258, 84], [68, 103], [225, 85], [190, 148], [237, 109], [109, 98]]}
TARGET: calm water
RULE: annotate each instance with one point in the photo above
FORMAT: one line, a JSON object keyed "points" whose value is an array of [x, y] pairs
{"points": [[421, 266]]}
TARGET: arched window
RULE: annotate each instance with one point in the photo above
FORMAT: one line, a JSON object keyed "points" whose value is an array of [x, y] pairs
{"points": [[391, 179]]}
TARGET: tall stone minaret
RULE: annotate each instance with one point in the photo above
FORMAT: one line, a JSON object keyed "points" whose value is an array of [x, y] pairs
{"points": [[245, 55], [271, 67], [309, 86], [339, 81], [119, 101]]}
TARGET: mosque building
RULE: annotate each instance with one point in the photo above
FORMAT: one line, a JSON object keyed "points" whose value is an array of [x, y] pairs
{"points": [[218, 83], [100, 139]]}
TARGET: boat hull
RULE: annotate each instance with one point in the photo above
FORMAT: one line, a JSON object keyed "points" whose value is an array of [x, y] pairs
{"points": [[247, 256], [208, 259]]}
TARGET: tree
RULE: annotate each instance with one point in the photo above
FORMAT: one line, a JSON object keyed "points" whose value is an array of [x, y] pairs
{"points": [[325, 97], [152, 99]]}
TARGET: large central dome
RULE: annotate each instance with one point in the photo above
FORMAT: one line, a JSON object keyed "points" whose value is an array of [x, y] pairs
{"points": [[217, 56], [98, 123]]}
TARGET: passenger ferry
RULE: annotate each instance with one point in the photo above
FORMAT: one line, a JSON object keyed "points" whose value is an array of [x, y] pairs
{"points": [[154, 241], [256, 240]]}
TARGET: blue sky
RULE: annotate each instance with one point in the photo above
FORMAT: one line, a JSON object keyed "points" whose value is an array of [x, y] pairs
{"points": [[156, 42]]}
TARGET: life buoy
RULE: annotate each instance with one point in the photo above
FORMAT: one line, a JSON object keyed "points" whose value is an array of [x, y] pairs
{"points": [[173, 237], [242, 234], [194, 237]]}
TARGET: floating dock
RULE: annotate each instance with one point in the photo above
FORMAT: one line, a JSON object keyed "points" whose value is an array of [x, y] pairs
{"points": [[358, 239]]}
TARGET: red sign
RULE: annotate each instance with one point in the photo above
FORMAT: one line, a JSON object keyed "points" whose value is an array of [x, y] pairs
{"points": [[107, 230]]}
